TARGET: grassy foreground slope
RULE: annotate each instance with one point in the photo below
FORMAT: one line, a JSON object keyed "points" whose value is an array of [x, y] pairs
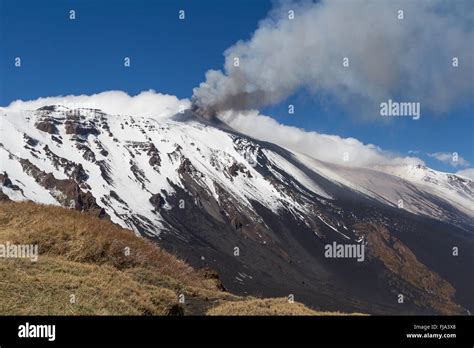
{"points": [[89, 266]]}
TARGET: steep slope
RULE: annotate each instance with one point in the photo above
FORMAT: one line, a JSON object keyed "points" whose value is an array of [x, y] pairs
{"points": [[420, 190], [257, 213], [455, 189], [82, 269]]}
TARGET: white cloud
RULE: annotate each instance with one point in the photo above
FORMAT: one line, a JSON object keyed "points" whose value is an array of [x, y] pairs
{"points": [[453, 159], [329, 148], [468, 173], [146, 104]]}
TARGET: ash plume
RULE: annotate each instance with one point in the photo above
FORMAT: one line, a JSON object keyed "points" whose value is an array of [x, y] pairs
{"points": [[408, 58]]}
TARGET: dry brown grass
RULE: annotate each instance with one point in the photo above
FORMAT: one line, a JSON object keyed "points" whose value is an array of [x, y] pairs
{"points": [[82, 238], [270, 306], [85, 256], [46, 287]]}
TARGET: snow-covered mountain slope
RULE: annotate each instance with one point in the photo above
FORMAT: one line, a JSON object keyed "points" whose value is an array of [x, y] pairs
{"points": [[455, 189], [415, 188], [201, 189], [139, 157]]}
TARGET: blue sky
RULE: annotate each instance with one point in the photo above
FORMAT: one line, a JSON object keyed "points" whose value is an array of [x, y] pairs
{"points": [[85, 56]]}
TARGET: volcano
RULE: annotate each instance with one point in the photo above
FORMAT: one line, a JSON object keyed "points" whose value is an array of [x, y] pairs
{"points": [[258, 214]]}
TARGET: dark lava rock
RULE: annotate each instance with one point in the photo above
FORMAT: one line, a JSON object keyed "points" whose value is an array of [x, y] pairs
{"points": [[73, 127], [155, 160], [66, 191], [157, 201], [56, 139], [3, 197], [30, 141], [47, 126], [5, 181], [48, 108]]}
